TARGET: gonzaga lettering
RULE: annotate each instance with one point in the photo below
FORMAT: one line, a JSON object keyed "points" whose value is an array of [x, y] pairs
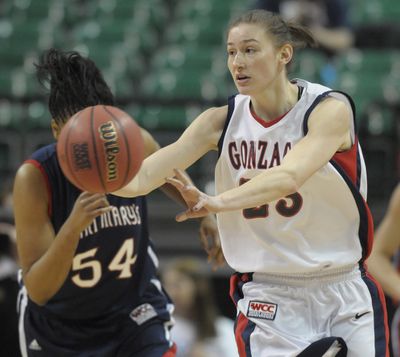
{"points": [[252, 155]]}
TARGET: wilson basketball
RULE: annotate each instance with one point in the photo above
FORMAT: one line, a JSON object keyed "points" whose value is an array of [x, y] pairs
{"points": [[100, 149]]}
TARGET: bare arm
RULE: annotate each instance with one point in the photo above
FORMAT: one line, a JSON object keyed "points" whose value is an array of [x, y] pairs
{"points": [[199, 138], [209, 235], [151, 146], [46, 258], [386, 244], [329, 128], [337, 39]]}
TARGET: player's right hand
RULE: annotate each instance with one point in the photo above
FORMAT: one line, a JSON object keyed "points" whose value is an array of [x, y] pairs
{"points": [[210, 241], [86, 208], [198, 203]]}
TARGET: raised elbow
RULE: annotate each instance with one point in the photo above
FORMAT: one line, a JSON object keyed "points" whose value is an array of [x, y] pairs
{"points": [[37, 298], [37, 295], [40, 302]]}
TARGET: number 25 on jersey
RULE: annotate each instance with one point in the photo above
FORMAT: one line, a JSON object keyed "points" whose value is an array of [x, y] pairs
{"points": [[287, 207]]}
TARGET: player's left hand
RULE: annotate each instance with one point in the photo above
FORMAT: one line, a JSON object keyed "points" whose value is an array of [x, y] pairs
{"points": [[210, 241], [199, 204]]}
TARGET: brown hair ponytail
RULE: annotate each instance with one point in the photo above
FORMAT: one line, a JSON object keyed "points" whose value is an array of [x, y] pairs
{"points": [[300, 35], [283, 32]]}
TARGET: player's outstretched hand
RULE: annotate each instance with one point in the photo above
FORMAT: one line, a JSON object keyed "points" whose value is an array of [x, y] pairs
{"points": [[86, 208], [199, 204], [210, 241]]}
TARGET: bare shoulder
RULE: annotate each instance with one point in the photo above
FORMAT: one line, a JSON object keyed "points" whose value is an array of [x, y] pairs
{"points": [[28, 172], [332, 108], [394, 205], [217, 115], [29, 184], [333, 119], [211, 122], [150, 144]]}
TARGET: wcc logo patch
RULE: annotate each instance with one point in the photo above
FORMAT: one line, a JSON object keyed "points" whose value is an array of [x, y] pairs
{"points": [[143, 313], [262, 310]]}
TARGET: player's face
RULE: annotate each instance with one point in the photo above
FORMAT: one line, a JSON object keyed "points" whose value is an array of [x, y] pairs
{"points": [[253, 59]]}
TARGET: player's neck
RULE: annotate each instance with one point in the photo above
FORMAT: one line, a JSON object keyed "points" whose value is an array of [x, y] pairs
{"points": [[275, 102]]}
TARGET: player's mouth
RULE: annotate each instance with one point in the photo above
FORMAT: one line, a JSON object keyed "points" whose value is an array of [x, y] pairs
{"points": [[242, 79]]}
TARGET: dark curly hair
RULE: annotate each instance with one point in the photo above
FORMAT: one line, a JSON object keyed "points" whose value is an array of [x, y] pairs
{"points": [[74, 83]]}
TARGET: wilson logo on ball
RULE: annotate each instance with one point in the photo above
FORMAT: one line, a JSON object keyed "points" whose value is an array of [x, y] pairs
{"points": [[80, 154], [100, 149], [111, 148]]}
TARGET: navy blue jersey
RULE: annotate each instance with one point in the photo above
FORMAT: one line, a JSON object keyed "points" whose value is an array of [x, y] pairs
{"points": [[114, 261]]}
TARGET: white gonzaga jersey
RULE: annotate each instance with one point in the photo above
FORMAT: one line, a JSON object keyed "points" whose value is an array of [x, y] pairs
{"points": [[325, 225]]}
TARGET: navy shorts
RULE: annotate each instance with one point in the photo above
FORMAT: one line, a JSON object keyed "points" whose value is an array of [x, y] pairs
{"points": [[144, 332]]}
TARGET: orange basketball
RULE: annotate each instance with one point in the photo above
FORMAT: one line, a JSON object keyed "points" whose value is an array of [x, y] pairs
{"points": [[100, 149]]}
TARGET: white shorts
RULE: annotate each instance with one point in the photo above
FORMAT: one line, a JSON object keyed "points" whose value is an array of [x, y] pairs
{"points": [[279, 316]]}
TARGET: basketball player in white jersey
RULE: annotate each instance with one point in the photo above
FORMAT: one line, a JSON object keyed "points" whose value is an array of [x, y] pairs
{"points": [[290, 201], [384, 262]]}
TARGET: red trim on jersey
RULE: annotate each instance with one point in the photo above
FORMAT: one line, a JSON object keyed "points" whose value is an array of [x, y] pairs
{"points": [[266, 124], [382, 299], [370, 238], [46, 179], [348, 161], [234, 281], [241, 325], [171, 352], [234, 288]]}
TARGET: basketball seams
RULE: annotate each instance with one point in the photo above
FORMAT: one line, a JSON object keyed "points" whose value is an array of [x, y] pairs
{"points": [[122, 131], [101, 148], [93, 133], [66, 151]]}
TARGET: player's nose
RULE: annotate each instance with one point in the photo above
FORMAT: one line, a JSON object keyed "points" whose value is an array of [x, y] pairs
{"points": [[238, 60]]}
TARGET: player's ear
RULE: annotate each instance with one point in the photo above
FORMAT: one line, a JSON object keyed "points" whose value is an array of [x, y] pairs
{"points": [[55, 128], [285, 53]]}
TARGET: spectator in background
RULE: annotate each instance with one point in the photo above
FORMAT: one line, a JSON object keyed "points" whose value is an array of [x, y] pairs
{"points": [[327, 19], [384, 262], [8, 275], [8, 290], [6, 200], [199, 329]]}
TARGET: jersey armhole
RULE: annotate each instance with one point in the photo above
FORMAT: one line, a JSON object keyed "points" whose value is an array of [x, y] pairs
{"points": [[345, 98], [231, 108]]}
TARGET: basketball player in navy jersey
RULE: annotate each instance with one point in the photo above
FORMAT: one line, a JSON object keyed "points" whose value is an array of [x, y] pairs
{"points": [[88, 267], [290, 201], [384, 262]]}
